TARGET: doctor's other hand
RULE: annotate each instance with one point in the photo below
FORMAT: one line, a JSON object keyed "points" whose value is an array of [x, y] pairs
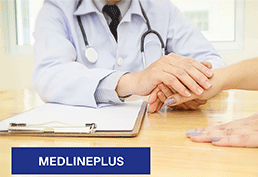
{"points": [[179, 73], [162, 92], [239, 133]]}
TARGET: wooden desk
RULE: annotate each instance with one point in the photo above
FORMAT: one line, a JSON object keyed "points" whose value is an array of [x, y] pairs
{"points": [[172, 154]]}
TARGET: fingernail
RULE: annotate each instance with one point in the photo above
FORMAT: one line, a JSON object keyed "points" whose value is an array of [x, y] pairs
{"points": [[188, 93], [170, 101], [199, 91], [189, 131], [209, 72], [208, 84], [214, 139], [195, 133]]}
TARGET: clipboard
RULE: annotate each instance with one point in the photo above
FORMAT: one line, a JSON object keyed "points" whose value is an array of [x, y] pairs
{"points": [[86, 130]]}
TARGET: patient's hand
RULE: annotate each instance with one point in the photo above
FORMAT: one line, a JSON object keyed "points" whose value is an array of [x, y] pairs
{"points": [[239, 133], [160, 95]]}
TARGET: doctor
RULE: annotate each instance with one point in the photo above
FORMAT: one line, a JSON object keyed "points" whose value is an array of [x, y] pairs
{"points": [[89, 52]]}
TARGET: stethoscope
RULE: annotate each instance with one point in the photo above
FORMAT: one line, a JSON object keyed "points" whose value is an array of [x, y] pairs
{"points": [[92, 55]]}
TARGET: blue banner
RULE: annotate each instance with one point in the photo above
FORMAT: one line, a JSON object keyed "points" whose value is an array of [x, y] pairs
{"points": [[80, 161]]}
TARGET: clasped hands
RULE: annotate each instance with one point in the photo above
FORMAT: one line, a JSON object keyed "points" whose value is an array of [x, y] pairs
{"points": [[184, 78], [192, 78]]}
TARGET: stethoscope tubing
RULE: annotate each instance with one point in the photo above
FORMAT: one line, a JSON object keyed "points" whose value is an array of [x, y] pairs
{"points": [[149, 31]]}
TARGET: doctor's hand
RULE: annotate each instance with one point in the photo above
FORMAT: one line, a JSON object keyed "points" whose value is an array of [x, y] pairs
{"points": [[218, 85], [239, 133], [179, 73], [162, 92]]}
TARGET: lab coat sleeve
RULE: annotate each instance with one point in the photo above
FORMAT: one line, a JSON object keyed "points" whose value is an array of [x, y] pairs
{"points": [[105, 92], [56, 75], [185, 39]]}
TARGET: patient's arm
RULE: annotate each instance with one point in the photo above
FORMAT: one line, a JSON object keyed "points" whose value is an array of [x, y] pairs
{"points": [[242, 75]]}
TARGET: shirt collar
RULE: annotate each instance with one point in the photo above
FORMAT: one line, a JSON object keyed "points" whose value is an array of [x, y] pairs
{"points": [[123, 5], [88, 6]]}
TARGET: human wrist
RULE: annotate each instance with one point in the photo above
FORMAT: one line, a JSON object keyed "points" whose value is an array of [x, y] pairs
{"points": [[225, 79], [126, 85]]}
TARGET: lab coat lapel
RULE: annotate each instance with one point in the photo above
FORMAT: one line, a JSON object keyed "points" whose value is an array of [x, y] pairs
{"points": [[134, 9], [86, 7]]}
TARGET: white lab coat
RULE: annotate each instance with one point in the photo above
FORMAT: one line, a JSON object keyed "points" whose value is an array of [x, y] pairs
{"points": [[61, 72]]}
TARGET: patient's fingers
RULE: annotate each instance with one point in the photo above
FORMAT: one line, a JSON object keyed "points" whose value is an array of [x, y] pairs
{"points": [[177, 99], [153, 96], [233, 124], [243, 140], [162, 96], [205, 136], [166, 90], [153, 107]]}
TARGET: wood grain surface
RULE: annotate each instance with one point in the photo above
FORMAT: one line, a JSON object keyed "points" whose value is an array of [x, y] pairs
{"points": [[172, 154]]}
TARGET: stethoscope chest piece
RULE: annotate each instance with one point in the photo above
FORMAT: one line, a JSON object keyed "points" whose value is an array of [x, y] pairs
{"points": [[91, 54]]}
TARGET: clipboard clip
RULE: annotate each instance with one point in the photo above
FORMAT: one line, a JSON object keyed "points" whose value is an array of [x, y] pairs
{"points": [[42, 128]]}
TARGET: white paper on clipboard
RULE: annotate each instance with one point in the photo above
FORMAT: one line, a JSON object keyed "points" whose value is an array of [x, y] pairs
{"points": [[120, 117]]}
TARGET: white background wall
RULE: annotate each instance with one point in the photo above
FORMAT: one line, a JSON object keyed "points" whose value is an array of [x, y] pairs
{"points": [[15, 72], [250, 49]]}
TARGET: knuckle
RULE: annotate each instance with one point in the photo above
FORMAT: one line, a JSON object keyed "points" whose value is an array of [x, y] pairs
{"points": [[204, 130], [180, 72], [160, 93], [188, 67], [160, 86], [228, 131], [190, 60], [244, 138], [221, 127], [172, 80]]}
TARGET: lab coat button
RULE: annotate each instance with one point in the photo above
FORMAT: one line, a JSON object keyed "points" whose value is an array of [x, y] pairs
{"points": [[120, 61]]}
